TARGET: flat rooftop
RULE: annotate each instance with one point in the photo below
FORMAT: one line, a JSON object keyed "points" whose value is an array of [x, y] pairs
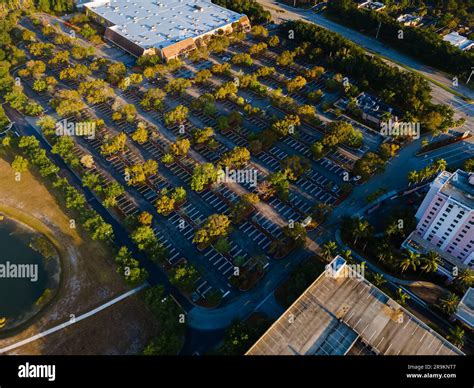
{"points": [[348, 315], [465, 310], [162, 23], [459, 41], [458, 187]]}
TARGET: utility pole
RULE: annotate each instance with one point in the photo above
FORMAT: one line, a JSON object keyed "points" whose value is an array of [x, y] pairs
{"points": [[378, 30]]}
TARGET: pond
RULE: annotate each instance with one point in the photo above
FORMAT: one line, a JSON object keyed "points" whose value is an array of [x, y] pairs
{"points": [[28, 262]]}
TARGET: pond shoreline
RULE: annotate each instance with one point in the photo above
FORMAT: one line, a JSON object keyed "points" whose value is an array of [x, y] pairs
{"points": [[40, 233]]}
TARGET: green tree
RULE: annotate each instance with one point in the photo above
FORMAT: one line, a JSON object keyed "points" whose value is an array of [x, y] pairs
{"points": [[20, 164], [456, 336], [329, 250], [410, 260]]}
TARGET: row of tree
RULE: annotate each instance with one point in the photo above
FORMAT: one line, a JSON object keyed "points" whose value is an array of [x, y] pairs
{"points": [[422, 43]]}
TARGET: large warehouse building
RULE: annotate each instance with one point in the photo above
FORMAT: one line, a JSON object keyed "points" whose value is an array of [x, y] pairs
{"points": [[165, 27]]}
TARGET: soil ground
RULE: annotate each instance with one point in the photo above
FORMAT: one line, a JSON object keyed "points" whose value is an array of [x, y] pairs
{"points": [[88, 280]]}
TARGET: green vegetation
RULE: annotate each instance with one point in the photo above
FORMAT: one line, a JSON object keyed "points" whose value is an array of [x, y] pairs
{"points": [[241, 335], [251, 8], [170, 317], [423, 43]]}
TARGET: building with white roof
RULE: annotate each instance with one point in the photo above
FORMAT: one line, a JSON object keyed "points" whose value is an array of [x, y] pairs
{"points": [[459, 41], [165, 27]]}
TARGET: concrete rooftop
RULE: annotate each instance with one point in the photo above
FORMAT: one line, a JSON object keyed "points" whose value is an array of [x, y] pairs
{"points": [[336, 313]]}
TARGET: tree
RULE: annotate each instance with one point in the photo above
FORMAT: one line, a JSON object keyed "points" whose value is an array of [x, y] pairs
{"points": [[129, 267], [111, 192], [388, 150], [286, 58], [115, 72], [469, 165], [176, 115], [314, 72], [20, 164], [402, 297], [367, 165], [285, 126], [180, 147], [116, 144], [202, 76], [294, 166], [217, 225], [235, 158], [241, 209], [229, 88], [378, 280], [257, 48], [145, 218], [202, 136], [456, 336], [259, 31], [360, 229], [430, 262], [242, 59], [203, 175], [153, 99], [178, 85], [96, 91], [184, 277], [273, 41], [141, 133], [329, 250], [449, 303], [410, 260], [279, 182], [295, 84], [165, 203], [67, 102], [143, 237], [464, 279]]}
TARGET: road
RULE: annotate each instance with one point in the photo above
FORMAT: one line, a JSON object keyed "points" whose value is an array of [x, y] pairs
{"points": [[73, 320], [282, 13]]}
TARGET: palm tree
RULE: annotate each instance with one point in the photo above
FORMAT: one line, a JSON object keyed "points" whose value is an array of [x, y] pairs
{"points": [[449, 303], [456, 336], [431, 262], [440, 165], [329, 250], [378, 280], [347, 254], [383, 252], [413, 177], [361, 229], [392, 229], [402, 297], [411, 259], [465, 278]]}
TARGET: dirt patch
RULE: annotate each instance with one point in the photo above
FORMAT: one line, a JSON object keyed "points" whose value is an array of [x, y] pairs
{"points": [[88, 279], [428, 292]]}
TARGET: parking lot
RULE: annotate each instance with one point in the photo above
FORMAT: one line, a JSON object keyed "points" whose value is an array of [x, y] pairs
{"points": [[320, 184]]}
